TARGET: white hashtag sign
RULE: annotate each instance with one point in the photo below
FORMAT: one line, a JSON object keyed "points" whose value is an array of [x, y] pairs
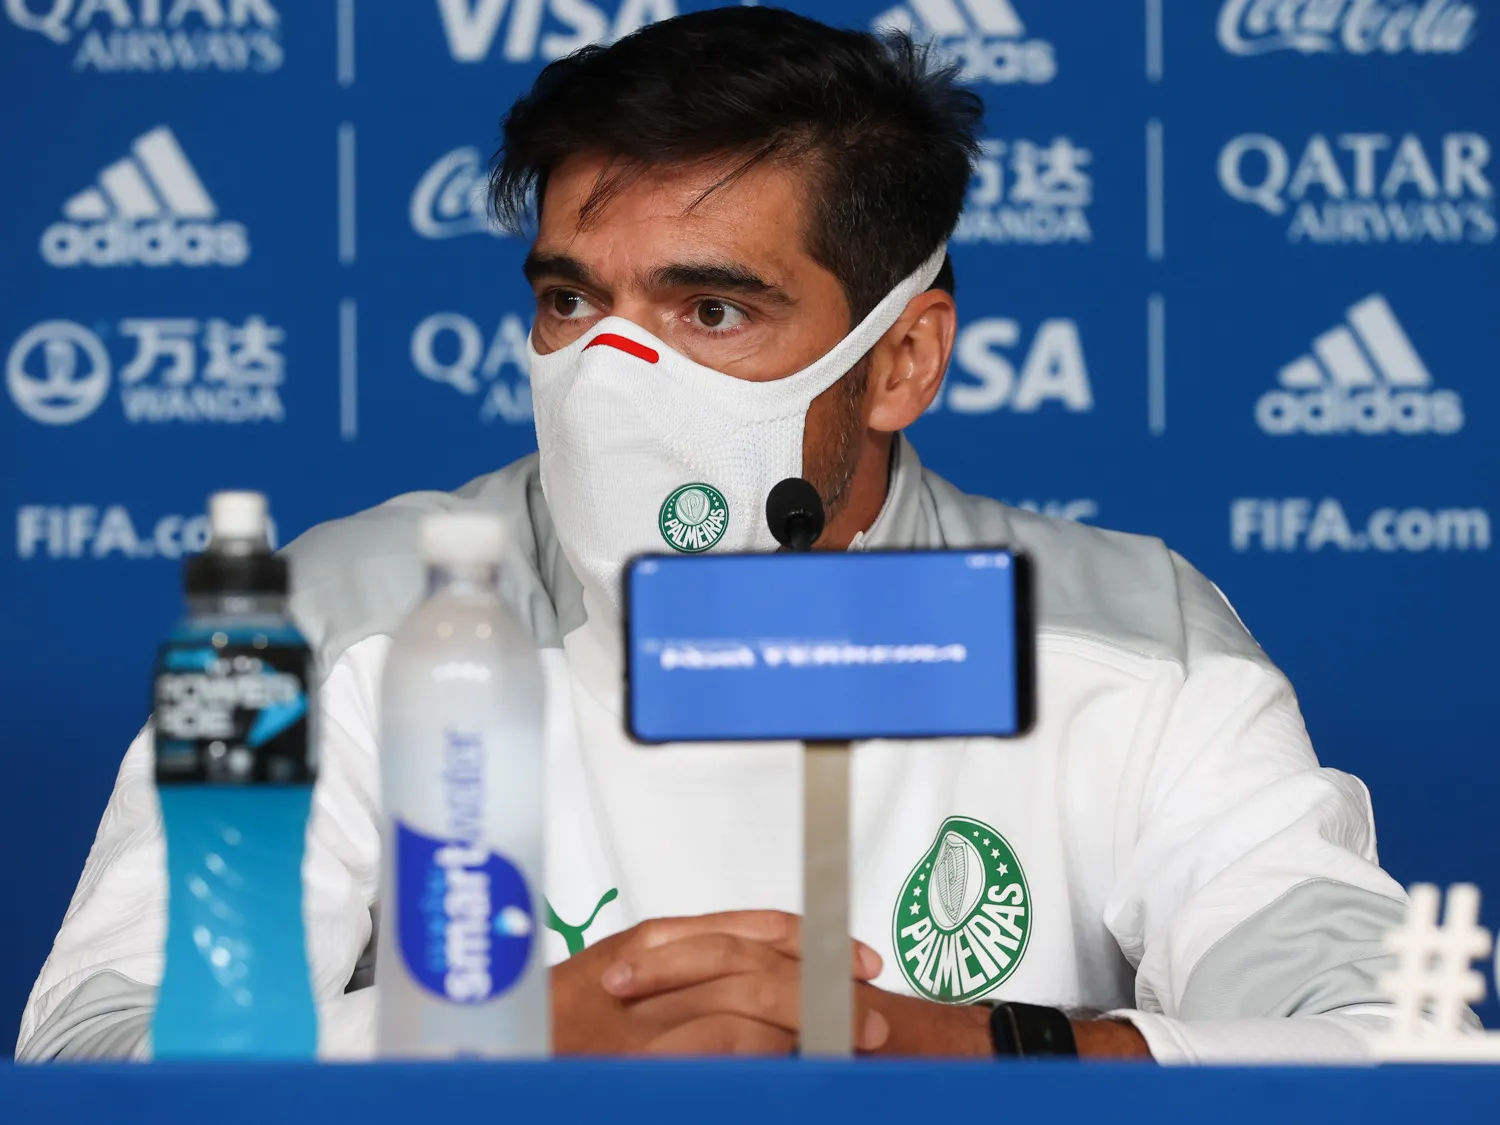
{"points": [[1435, 981]]}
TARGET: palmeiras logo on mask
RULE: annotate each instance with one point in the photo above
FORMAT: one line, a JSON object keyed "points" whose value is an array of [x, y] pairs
{"points": [[961, 924], [693, 518]]}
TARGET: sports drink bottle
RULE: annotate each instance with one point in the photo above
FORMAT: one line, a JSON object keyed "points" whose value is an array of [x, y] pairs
{"points": [[235, 765], [459, 966]]}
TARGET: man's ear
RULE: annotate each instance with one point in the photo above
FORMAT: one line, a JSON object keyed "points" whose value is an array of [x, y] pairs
{"points": [[908, 362]]}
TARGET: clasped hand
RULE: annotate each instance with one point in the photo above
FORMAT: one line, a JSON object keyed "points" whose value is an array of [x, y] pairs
{"points": [[728, 984]]}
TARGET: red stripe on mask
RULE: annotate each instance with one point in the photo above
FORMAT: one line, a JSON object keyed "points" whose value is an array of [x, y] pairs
{"points": [[626, 345]]}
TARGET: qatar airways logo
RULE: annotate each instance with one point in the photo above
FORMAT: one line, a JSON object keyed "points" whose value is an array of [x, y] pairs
{"points": [[451, 348], [1342, 188], [158, 36], [1351, 27]]}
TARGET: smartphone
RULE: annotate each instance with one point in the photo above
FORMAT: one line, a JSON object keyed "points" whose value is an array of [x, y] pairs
{"points": [[829, 646]]}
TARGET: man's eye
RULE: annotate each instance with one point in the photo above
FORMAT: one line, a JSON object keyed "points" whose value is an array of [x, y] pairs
{"points": [[570, 306], [718, 315]]}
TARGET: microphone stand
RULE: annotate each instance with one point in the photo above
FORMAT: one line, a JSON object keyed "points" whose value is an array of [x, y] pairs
{"points": [[827, 985], [827, 969]]}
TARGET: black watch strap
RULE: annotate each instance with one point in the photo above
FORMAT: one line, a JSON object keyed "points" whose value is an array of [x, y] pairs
{"points": [[1026, 1030]]}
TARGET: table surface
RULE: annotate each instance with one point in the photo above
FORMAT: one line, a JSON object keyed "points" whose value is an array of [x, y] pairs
{"points": [[764, 1092]]}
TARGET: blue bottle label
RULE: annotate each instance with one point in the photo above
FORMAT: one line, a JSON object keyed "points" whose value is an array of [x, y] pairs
{"points": [[235, 983], [464, 917], [232, 709]]}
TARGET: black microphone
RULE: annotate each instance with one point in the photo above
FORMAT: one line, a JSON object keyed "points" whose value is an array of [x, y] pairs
{"points": [[794, 511]]}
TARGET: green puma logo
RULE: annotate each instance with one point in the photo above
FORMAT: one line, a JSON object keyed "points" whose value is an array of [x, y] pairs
{"points": [[573, 935]]}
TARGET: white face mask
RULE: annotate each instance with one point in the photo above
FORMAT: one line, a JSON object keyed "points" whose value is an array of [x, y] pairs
{"points": [[643, 450]]}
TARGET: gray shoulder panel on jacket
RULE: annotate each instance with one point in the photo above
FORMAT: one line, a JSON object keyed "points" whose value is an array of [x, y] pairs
{"points": [[1128, 591], [357, 577], [108, 1016]]}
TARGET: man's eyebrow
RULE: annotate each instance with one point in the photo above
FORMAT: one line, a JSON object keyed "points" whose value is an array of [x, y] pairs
{"points": [[728, 277], [559, 266]]}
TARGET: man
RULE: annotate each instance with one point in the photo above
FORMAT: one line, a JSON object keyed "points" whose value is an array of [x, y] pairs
{"points": [[740, 217]]}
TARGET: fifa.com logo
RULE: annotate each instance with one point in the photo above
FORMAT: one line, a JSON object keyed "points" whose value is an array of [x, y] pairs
{"points": [[1298, 523], [89, 531]]}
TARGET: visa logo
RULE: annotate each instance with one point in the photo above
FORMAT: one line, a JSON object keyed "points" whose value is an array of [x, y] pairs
{"points": [[472, 25]]}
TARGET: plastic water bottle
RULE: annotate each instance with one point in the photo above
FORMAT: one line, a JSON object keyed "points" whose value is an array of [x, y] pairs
{"points": [[235, 765], [459, 966]]}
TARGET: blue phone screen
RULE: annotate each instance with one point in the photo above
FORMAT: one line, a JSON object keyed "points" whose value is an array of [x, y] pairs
{"points": [[846, 645]]}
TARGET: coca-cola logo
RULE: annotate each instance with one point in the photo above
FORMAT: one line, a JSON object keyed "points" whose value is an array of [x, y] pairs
{"points": [[449, 199], [1355, 27]]}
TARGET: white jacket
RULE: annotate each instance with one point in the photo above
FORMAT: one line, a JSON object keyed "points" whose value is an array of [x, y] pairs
{"points": [[1164, 841]]}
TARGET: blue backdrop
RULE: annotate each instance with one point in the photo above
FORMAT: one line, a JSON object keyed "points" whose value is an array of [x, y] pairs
{"points": [[1227, 276]]}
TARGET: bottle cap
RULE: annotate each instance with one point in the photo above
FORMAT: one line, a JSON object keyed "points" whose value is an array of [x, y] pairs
{"points": [[238, 559], [463, 539], [237, 515]]}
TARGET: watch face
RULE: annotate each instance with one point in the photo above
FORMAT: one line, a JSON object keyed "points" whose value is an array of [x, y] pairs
{"points": [[1029, 1029], [1003, 1033]]}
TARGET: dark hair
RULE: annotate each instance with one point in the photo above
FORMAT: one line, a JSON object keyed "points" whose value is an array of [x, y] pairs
{"points": [[886, 134]]}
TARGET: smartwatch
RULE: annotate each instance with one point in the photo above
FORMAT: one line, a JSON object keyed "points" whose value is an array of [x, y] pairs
{"points": [[1028, 1030]]}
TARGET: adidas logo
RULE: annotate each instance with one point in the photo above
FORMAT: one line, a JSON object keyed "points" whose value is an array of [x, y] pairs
{"points": [[149, 208], [985, 37], [1362, 377]]}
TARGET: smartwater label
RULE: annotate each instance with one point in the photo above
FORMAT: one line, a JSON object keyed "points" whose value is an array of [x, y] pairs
{"points": [[232, 713], [464, 917]]}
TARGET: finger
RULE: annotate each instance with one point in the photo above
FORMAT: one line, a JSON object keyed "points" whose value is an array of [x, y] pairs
{"points": [[776, 928], [766, 997], [689, 961], [872, 1027], [723, 1035], [867, 963], [768, 926]]}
